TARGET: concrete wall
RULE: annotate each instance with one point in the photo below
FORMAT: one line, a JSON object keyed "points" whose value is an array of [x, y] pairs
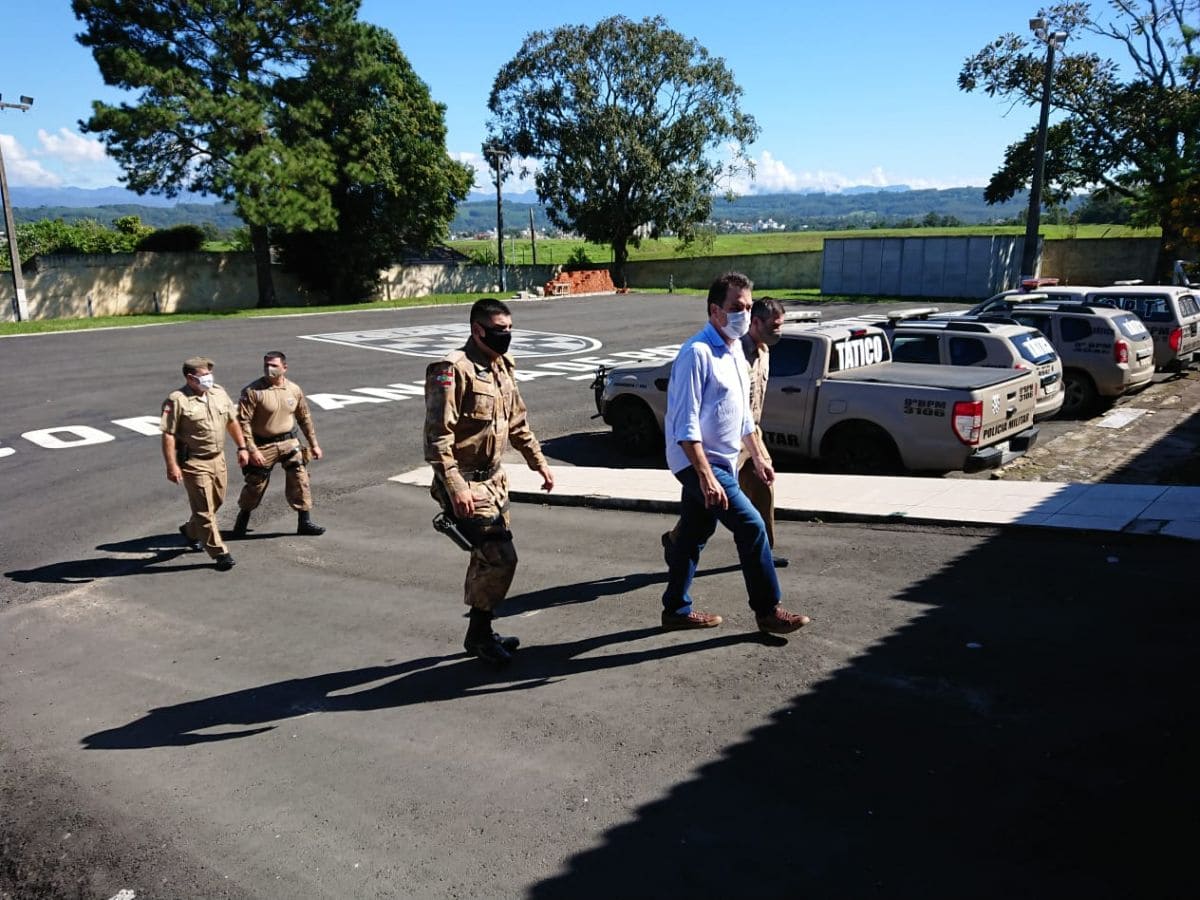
{"points": [[123, 283], [1100, 261], [768, 271], [459, 278]]}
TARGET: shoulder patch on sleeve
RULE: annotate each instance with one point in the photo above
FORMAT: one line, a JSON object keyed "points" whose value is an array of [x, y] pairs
{"points": [[168, 407], [440, 374]]}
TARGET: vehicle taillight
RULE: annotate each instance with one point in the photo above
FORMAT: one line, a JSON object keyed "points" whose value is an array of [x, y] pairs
{"points": [[967, 421], [1024, 367], [1176, 339], [1121, 352]]}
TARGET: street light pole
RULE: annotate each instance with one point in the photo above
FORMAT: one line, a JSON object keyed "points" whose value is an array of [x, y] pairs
{"points": [[499, 157], [1033, 219], [20, 308]]}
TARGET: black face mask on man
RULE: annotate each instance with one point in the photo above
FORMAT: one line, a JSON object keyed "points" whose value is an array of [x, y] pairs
{"points": [[496, 339]]}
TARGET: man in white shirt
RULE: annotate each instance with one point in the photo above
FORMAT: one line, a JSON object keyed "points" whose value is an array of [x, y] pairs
{"points": [[708, 423]]}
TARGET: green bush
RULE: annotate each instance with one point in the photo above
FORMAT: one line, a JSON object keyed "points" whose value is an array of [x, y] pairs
{"points": [[579, 259], [85, 236], [483, 256], [179, 239]]}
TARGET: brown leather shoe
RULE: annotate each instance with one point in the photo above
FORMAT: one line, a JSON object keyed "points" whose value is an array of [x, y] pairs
{"points": [[780, 621], [672, 622]]}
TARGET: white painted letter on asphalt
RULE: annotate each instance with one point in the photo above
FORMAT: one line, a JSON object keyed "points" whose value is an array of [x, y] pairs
{"points": [[85, 436], [140, 424]]}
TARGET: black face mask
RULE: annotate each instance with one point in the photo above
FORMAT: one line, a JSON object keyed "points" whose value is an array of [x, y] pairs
{"points": [[496, 340]]}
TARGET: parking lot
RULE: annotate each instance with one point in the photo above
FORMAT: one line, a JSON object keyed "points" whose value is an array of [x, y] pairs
{"points": [[971, 711]]}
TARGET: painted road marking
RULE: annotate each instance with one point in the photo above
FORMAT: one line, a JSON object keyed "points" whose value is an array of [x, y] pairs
{"points": [[581, 368], [435, 341]]}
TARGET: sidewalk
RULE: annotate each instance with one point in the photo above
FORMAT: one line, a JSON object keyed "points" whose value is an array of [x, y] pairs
{"points": [[1130, 508]]}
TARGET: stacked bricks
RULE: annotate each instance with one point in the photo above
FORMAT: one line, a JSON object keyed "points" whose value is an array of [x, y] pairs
{"points": [[584, 281]]}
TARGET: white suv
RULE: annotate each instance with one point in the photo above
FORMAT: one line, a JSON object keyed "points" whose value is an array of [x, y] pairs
{"points": [[966, 341], [1170, 313]]}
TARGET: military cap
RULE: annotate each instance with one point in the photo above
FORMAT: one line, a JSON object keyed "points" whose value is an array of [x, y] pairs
{"points": [[198, 362]]}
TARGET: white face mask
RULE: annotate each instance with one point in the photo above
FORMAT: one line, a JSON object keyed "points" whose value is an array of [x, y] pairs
{"points": [[736, 324], [204, 381], [274, 371]]}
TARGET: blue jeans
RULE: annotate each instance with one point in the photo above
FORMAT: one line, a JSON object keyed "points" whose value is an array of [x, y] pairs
{"points": [[697, 524]]}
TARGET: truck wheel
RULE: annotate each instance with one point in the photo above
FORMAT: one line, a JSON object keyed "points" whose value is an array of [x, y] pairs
{"points": [[1079, 395], [635, 428], [862, 449]]}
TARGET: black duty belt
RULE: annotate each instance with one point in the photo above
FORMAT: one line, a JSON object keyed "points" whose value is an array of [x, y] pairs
{"points": [[260, 439], [478, 474]]}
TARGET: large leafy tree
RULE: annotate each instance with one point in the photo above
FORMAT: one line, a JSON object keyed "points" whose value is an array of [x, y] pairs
{"points": [[624, 120], [210, 78], [395, 188], [1131, 129]]}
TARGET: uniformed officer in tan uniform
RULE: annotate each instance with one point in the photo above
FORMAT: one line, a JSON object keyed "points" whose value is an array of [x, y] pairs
{"points": [[269, 410], [766, 328], [195, 420], [473, 411]]}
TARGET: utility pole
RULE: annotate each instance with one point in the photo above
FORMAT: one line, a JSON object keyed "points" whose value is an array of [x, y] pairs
{"points": [[20, 308], [1033, 219], [499, 157]]}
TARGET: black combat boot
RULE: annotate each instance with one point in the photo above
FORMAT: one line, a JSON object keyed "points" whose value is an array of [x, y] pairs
{"points": [[241, 524], [225, 562], [481, 641], [305, 524]]}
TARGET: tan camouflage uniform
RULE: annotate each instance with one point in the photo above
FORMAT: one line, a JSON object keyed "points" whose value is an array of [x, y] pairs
{"points": [[198, 423], [473, 411], [268, 415], [761, 495]]}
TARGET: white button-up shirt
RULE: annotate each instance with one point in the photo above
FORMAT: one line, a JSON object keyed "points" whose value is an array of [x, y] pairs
{"points": [[708, 400]]}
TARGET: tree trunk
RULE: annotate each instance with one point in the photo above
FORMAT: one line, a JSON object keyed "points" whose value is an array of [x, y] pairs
{"points": [[620, 256], [260, 240]]}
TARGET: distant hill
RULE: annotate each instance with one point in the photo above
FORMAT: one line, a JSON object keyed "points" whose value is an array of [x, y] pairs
{"points": [[851, 208], [220, 216]]}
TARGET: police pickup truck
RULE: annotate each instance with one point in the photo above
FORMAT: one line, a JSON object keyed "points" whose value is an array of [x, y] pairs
{"points": [[835, 395]]}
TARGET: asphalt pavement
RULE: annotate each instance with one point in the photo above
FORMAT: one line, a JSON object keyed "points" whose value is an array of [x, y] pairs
{"points": [[988, 710]]}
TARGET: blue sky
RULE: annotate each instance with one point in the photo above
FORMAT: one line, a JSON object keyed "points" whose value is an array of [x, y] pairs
{"points": [[846, 93]]}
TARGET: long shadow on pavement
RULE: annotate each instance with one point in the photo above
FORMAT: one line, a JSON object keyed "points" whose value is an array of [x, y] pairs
{"points": [[588, 591], [433, 679], [1031, 733], [154, 549]]}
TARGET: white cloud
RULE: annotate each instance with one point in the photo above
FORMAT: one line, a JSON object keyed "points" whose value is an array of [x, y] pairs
{"points": [[514, 182], [21, 169], [773, 176], [70, 147]]}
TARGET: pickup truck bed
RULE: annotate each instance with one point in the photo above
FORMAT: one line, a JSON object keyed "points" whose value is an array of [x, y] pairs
{"points": [[969, 378]]}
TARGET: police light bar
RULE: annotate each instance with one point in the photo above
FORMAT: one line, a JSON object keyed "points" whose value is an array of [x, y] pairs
{"points": [[809, 315], [899, 315]]}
